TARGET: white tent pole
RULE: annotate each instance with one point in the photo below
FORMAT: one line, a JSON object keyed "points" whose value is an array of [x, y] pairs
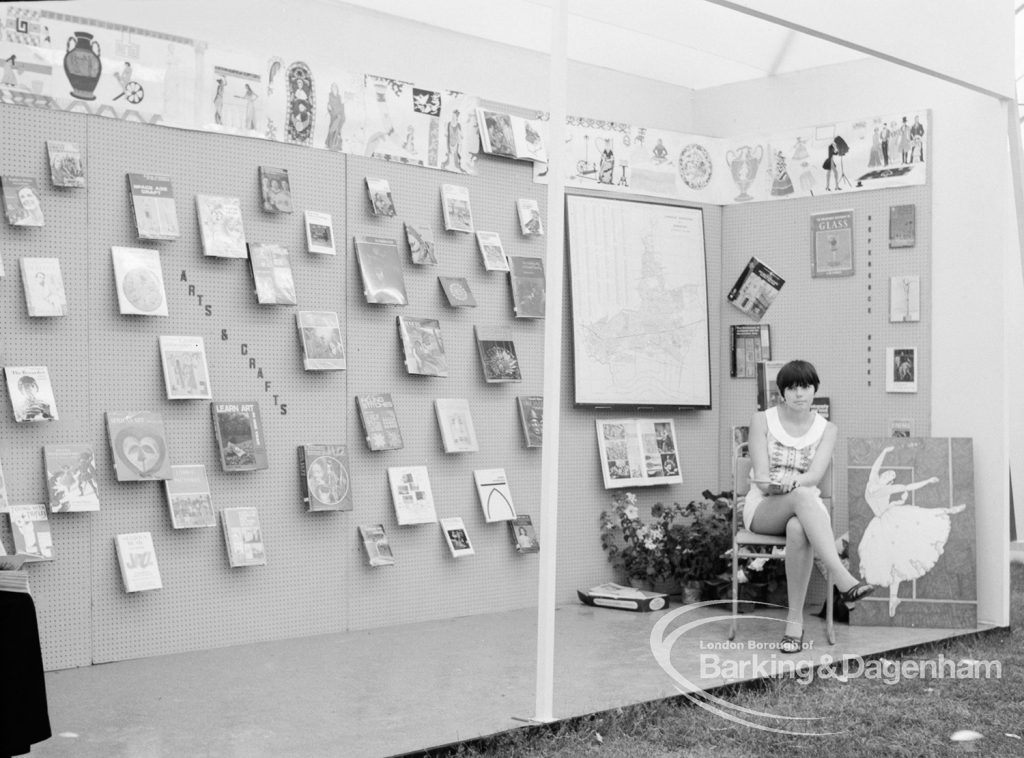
{"points": [[1013, 127], [548, 525]]}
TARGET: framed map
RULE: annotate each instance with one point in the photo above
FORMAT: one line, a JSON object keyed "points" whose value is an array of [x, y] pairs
{"points": [[639, 303]]}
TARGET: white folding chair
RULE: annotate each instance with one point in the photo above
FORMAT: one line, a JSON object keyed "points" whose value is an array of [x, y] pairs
{"points": [[748, 544]]}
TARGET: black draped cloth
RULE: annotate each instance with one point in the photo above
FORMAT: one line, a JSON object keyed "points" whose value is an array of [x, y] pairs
{"points": [[24, 718]]}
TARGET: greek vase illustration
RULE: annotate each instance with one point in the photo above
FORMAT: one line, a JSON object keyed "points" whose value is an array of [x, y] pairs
{"points": [[82, 65]]}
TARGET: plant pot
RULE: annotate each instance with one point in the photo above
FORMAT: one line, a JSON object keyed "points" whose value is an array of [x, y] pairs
{"points": [[668, 587], [693, 591], [777, 595], [752, 593], [640, 584]]}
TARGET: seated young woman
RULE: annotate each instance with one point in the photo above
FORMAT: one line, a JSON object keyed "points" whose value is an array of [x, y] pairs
{"points": [[790, 450]]}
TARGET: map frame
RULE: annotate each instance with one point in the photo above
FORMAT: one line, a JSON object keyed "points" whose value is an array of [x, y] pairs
{"points": [[693, 275]]}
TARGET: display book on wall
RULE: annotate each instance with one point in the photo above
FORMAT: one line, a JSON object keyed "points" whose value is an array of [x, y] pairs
{"points": [[71, 478], [31, 393], [749, 344], [188, 497], [44, 287], [156, 216], [186, 374], [638, 452], [239, 432], [320, 335], [326, 483], [272, 274], [380, 421], [755, 289], [380, 266], [21, 201], [140, 281], [221, 227], [243, 536]]}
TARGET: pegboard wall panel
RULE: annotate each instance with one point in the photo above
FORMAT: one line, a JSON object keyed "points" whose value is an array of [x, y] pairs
{"points": [[61, 587], [582, 496], [840, 324], [426, 582], [254, 354]]}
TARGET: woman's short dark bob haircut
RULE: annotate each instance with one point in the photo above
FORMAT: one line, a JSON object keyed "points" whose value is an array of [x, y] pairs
{"points": [[797, 374]]}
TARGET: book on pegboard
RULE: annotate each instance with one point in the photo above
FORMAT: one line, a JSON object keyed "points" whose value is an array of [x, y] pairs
{"points": [[375, 542], [381, 269], [492, 251], [186, 376], [531, 415], [325, 477], [456, 536], [381, 200], [422, 250], [495, 495], [458, 216], [136, 557], [71, 478], [138, 445], [755, 289], [275, 189], [320, 334], [156, 217], [44, 287], [140, 281], [243, 537], [457, 290], [411, 495], [902, 226], [423, 346], [498, 358], [31, 393], [188, 497], [319, 233], [3, 495], [748, 344], [526, 277], [67, 167], [220, 225], [524, 537], [272, 274], [239, 432], [530, 224], [30, 529], [21, 200], [380, 422], [456, 423]]}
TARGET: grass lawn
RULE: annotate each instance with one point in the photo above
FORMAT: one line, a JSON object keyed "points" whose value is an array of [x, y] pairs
{"points": [[877, 717]]}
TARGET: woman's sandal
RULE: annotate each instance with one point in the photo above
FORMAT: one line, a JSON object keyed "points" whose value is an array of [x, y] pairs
{"points": [[791, 644], [856, 592]]}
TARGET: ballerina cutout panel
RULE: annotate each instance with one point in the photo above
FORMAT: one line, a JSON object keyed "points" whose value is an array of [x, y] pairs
{"points": [[912, 531]]}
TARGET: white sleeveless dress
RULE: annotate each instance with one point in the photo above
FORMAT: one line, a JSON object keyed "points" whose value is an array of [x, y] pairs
{"points": [[786, 455]]}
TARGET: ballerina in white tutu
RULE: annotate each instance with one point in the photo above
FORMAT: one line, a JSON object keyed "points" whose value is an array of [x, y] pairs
{"points": [[902, 542]]}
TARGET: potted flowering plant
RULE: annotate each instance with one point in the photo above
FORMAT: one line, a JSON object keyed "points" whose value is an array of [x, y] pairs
{"points": [[764, 579], [645, 552], [705, 554]]}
